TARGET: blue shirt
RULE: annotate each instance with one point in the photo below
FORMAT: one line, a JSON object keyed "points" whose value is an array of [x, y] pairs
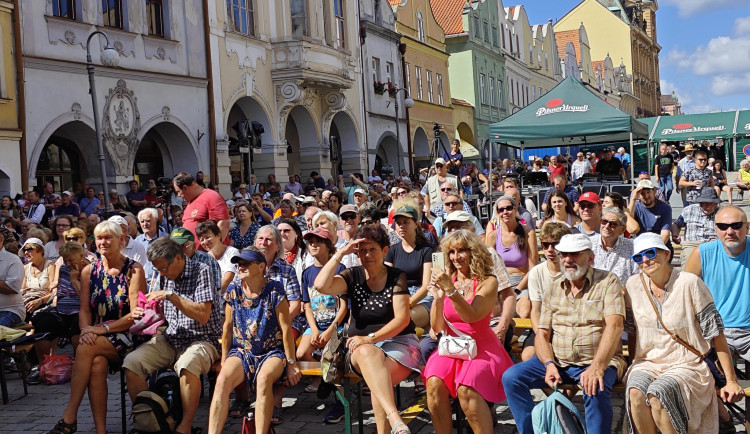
{"points": [[654, 219], [728, 279]]}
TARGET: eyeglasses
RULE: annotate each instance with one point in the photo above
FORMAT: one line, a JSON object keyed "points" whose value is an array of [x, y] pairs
{"points": [[452, 204], [446, 189], [164, 269], [400, 193], [725, 226], [586, 205], [348, 216], [507, 208], [71, 238], [573, 255], [28, 249], [547, 244], [612, 223], [646, 254], [438, 166]]}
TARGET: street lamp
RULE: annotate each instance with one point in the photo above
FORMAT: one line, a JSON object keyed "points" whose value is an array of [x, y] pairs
{"points": [[108, 57], [409, 103]]}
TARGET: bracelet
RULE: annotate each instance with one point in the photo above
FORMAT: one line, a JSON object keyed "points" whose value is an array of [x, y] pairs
{"points": [[106, 326], [549, 362], [451, 294]]}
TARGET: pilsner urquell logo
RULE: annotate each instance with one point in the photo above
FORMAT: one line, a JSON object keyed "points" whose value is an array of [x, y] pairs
{"points": [[556, 106], [689, 128]]}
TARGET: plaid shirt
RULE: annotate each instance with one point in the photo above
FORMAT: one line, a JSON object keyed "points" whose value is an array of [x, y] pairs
{"points": [[283, 272], [617, 259], [577, 322], [193, 284], [202, 258], [698, 225]]}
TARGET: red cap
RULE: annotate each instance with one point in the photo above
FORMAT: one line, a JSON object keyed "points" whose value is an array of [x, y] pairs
{"points": [[320, 232], [589, 196]]}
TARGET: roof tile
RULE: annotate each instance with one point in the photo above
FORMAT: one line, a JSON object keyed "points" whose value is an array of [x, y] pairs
{"points": [[449, 15]]}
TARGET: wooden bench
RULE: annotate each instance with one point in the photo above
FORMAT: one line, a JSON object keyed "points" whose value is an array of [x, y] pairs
{"points": [[312, 369]]}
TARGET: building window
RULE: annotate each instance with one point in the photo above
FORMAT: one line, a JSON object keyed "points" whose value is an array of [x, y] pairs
{"points": [[418, 73], [494, 36], [533, 92], [389, 72], [512, 94], [242, 16], [375, 70], [64, 9], [440, 89], [58, 163], [155, 17], [408, 78], [486, 32], [546, 61], [338, 13], [299, 18], [420, 27], [502, 30], [491, 91], [112, 13], [430, 95], [531, 54], [500, 93], [482, 96]]}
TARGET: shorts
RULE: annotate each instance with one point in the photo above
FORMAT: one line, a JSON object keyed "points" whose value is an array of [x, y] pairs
{"points": [[739, 341], [426, 301], [58, 324], [158, 353], [321, 327], [404, 349]]}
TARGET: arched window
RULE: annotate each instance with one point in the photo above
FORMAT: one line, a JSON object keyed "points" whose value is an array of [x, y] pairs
{"points": [[420, 27], [58, 164]]}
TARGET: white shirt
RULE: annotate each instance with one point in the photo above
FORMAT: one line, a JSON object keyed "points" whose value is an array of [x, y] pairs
{"points": [[617, 259], [225, 262], [540, 279], [135, 251], [36, 213], [580, 168], [11, 272]]}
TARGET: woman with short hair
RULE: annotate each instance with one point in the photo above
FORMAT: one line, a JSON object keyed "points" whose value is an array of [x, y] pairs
{"points": [[208, 234], [36, 289], [614, 199]]}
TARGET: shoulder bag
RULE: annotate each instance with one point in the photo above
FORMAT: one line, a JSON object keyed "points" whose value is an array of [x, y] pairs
{"points": [[462, 347]]}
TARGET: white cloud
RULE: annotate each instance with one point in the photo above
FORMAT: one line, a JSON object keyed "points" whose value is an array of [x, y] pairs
{"points": [[691, 7], [742, 26], [730, 84], [722, 55]]}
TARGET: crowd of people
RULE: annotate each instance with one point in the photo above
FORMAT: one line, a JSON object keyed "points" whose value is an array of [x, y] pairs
{"points": [[264, 279]]}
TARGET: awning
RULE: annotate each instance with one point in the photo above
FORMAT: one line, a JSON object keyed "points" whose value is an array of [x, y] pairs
{"points": [[567, 115], [705, 126], [743, 124]]}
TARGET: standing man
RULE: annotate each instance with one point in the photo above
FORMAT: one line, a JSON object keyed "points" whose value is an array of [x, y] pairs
{"points": [[89, 203], [556, 169], [577, 341], [431, 189], [624, 158], [609, 166], [698, 221], [190, 343], [273, 188], [136, 199], [358, 186], [697, 177], [293, 186], [454, 160], [202, 204], [663, 171], [12, 310], [685, 164], [318, 181], [580, 167]]}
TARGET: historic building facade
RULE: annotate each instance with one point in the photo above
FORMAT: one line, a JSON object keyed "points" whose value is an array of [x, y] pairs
{"points": [[11, 168], [293, 66], [152, 107]]}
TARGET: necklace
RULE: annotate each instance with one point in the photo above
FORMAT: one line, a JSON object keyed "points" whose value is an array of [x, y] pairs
{"points": [[462, 287]]}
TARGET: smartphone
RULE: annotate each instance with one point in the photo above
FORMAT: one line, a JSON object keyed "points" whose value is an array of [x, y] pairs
{"points": [[345, 175], [438, 261]]}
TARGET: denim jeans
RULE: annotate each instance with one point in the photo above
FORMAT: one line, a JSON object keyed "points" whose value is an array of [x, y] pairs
{"points": [[9, 319], [519, 379], [665, 185]]}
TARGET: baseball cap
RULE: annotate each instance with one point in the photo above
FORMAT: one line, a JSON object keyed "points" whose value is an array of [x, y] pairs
{"points": [[35, 241], [348, 208], [648, 240], [440, 161], [645, 183], [66, 193], [120, 220], [242, 186], [621, 149], [457, 216], [319, 232], [572, 243], [589, 196], [309, 200], [360, 191], [407, 211], [181, 235]]}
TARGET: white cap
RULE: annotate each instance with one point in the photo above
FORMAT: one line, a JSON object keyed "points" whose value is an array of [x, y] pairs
{"points": [[457, 216], [621, 150], [35, 241], [120, 220], [66, 192], [645, 183], [647, 241], [360, 190], [572, 243], [230, 202], [440, 161]]}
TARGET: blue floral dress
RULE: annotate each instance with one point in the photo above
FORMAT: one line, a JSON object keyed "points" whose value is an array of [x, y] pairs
{"points": [[108, 298], [256, 334], [240, 242]]}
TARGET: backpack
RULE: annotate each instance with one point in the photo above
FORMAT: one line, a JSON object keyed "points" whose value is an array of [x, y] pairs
{"points": [[159, 409], [557, 415]]}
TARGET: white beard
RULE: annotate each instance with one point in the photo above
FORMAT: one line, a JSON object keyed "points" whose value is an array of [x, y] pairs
{"points": [[574, 275]]}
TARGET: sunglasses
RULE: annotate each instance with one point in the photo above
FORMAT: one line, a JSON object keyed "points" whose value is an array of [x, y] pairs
{"points": [[438, 166], [507, 208], [610, 223], [452, 204], [586, 205], [368, 222], [547, 244], [725, 226], [28, 249], [446, 189], [71, 238], [646, 254], [402, 192], [348, 216]]}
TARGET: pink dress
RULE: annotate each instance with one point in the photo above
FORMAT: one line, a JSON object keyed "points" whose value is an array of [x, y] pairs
{"points": [[485, 372]]}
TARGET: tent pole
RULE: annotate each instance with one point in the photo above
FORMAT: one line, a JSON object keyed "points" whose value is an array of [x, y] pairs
{"points": [[632, 160]]}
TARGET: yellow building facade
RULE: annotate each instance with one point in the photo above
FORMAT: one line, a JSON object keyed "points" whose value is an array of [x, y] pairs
{"points": [[10, 128]]}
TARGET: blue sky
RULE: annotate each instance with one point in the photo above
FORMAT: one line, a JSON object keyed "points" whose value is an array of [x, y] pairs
{"points": [[705, 55]]}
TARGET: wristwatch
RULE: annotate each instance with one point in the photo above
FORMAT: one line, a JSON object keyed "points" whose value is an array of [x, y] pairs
{"points": [[291, 362], [168, 292], [372, 336]]}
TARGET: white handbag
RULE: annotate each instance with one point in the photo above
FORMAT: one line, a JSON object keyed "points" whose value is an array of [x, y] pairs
{"points": [[462, 347]]}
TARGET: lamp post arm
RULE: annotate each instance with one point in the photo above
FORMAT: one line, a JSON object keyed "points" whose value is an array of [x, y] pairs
{"points": [[92, 91]]}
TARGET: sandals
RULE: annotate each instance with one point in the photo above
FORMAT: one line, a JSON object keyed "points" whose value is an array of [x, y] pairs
{"points": [[400, 428], [419, 388], [278, 416], [64, 428], [238, 408]]}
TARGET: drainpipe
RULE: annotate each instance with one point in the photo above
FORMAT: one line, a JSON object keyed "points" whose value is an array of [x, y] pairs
{"points": [[362, 36], [209, 77], [20, 92], [402, 50]]}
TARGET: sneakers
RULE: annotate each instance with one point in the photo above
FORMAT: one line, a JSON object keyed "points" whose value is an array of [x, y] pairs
{"points": [[33, 377], [336, 414], [10, 365]]}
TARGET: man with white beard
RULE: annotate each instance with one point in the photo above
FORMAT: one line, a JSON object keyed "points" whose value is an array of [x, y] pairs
{"points": [[577, 341]]}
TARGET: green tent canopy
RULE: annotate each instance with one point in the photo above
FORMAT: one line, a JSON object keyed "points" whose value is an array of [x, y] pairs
{"points": [[705, 126], [743, 124], [567, 115]]}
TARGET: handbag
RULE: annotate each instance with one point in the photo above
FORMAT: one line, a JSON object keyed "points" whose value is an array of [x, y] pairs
{"points": [[332, 360], [719, 379], [248, 426], [462, 347]]}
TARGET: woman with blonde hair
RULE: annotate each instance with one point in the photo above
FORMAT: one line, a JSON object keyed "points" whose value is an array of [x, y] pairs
{"points": [[465, 294]]}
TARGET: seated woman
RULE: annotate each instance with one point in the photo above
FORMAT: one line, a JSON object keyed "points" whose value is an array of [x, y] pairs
{"points": [[257, 344], [36, 291], [614, 199], [720, 180], [109, 288], [321, 310], [59, 225], [413, 254], [670, 388], [465, 294], [559, 209], [243, 234], [743, 177], [383, 348]]}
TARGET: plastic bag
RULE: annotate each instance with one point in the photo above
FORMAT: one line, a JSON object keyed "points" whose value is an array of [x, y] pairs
{"points": [[152, 319], [56, 369]]}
